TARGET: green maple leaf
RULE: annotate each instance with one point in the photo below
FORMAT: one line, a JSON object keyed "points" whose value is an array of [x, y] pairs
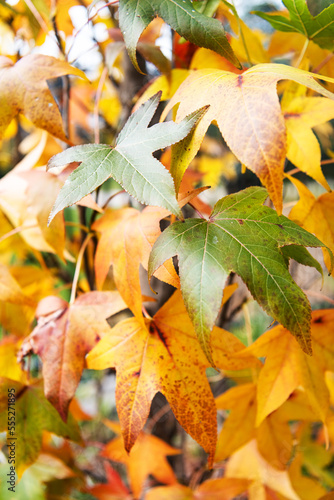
{"points": [[130, 162], [182, 17], [33, 414], [319, 29], [250, 239]]}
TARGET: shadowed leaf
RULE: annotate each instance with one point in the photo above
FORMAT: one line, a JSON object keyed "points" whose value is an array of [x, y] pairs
{"points": [[245, 237], [135, 15]]}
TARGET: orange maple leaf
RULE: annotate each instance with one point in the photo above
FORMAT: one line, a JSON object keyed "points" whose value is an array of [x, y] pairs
{"points": [[127, 237], [114, 489], [148, 456], [164, 355]]}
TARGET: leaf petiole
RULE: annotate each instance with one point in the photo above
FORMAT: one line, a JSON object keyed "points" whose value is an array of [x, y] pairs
{"points": [[78, 266]]}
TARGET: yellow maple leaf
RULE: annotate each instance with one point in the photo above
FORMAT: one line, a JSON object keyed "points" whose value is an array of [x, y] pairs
{"points": [[301, 115]]}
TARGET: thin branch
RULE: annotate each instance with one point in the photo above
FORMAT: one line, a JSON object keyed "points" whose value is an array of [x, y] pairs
{"points": [[319, 295], [293, 171], [76, 224], [157, 416], [112, 196], [58, 38], [327, 162], [323, 63], [90, 18]]}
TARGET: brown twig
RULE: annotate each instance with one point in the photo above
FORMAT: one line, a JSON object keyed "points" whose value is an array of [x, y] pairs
{"points": [[197, 211], [323, 63], [157, 416], [327, 162], [111, 197]]}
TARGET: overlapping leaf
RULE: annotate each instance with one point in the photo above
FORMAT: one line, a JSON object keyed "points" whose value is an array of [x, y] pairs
{"points": [[148, 456], [127, 237], [301, 114], [113, 489], [63, 336], [248, 114], [315, 215], [135, 15], [267, 482], [319, 29], [246, 237], [224, 488], [9, 367], [26, 199], [247, 37], [239, 428], [130, 162], [286, 367], [165, 356], [24, 89], [273, 435], [10, 290], [35, 283], [33, 415]]}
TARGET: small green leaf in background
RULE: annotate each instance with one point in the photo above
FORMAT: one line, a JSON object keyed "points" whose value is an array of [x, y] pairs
{"points": [[319, 29], [130, 162], [245, 237], [33, 414], [135, 15]]}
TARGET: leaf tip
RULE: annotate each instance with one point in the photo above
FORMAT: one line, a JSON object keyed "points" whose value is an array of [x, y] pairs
{"points": [[52, 215]]}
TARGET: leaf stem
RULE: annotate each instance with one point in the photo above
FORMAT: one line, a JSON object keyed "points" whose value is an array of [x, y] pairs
{"points": [[145, 313], [197, 211], [37, 16], [242, 35], [78, 266], [96, 105], [16, 231], [248, 324], [302, 54]]}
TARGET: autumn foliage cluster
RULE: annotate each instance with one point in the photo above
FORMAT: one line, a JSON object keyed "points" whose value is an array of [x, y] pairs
{"points": [[166, 250]]}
